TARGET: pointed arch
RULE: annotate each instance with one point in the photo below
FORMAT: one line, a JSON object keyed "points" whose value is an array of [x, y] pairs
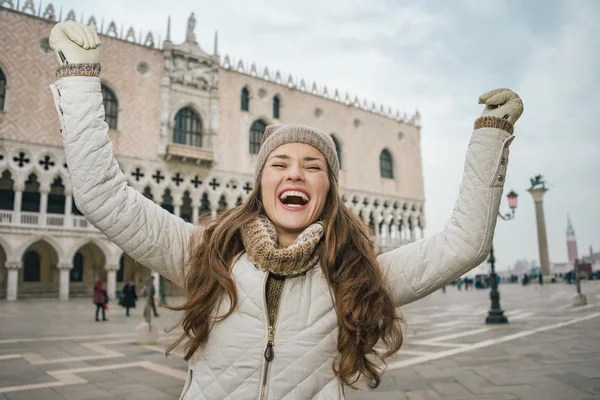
{"points": [[386, 164], [7, 192], [245, 99], [188, 128], [338, 148], [276, 107], [257, 131], [111, 106]]}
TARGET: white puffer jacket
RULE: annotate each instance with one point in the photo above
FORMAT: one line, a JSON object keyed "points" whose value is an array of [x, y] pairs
{"points": [[232, 364]]}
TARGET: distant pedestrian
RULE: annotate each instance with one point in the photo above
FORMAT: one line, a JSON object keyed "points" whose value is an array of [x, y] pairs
{"points": [[150, 293], [100, 299], [129, 297]]}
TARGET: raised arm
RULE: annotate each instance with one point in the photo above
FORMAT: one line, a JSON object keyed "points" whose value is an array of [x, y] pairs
{"points": [[420, 268], [149, 234]]}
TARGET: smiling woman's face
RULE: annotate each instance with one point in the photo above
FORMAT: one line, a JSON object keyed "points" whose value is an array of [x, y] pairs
{"points": [[294, 187]]}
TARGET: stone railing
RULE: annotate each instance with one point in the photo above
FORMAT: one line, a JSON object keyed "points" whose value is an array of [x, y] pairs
{"points": [[33, 219]]}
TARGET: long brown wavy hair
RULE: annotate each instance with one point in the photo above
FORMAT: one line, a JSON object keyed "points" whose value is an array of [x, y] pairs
{"points": [[364, 305]]}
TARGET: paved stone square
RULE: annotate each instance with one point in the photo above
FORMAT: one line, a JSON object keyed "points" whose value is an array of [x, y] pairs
{"points": [[550, 350]]}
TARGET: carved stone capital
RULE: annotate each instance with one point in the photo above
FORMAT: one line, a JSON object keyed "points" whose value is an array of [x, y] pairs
{"points": [[13, 265], [111, 267], [64, 265]]}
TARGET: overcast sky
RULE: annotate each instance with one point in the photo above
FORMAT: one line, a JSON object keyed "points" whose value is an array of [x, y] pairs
{"points": [[438, 56]]}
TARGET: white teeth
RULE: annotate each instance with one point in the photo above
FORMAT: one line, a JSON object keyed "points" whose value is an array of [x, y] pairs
{"points": [[288, 193]]}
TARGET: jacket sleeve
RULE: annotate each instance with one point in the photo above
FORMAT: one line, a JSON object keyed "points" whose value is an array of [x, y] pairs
{"points": [[149, 234], [420, 268]]}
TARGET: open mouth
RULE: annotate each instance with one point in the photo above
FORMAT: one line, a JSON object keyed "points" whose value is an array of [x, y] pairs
{"points": [[294, 198]]}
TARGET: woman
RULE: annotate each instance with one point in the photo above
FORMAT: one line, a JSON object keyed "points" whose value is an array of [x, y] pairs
{"points": [[286, 297], [100, 297], [129, 297]]}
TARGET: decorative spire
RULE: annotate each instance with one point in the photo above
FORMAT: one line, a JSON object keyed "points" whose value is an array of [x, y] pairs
{"points": [[168, 39], [216, 51]]}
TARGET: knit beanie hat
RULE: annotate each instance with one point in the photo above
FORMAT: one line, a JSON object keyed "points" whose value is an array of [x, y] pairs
{"points": [[280, 134]]}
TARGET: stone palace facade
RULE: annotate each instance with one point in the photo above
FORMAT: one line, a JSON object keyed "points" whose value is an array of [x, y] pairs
{"points": [[186, 127]]}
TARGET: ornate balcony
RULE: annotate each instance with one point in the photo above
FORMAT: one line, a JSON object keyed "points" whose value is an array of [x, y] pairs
{"points": [[32, 219]]}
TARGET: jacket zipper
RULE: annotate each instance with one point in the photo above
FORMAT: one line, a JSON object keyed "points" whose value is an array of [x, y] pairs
{"points": [[269, 352]]}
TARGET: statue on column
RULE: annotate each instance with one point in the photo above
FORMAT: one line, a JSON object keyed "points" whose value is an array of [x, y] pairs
{"points": [[537, 181], [190, 35]]}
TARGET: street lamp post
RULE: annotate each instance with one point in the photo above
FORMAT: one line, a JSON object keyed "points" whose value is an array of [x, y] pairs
{"points": [[496, 314]]}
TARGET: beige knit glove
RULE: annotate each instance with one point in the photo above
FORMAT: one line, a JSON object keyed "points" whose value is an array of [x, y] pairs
{"points": [[78, 43], [502, 103]]}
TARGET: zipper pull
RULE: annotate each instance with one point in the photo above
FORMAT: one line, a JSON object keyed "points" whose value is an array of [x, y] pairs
{"points": [[269, 354]]}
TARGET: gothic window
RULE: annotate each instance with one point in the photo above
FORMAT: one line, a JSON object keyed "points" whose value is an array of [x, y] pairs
{"points": [[31, 195], [111, 107], [167, 201], [56, 197], [386, 166], [256, 133], [188, 128], [2, 89], [276, 105], [338, 149], [7, 194], [76, 273], [31, 267], [245, 99], [186, 210]]}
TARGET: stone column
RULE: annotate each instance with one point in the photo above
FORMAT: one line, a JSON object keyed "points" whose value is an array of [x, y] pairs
{"points": [[111, 280], [43, 207], [195, 211], [17, 204], [177, 202], [12, 282], [538, 198], [64, 269], [68, 210], [157, 278]]}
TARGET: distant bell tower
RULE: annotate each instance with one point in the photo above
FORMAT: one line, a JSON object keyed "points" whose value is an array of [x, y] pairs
{"points": [[571, 242]]}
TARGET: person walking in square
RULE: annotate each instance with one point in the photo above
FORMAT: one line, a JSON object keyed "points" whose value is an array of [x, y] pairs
{"points": [[150, 293], [286, 296], [100, 299], [129, 297]]}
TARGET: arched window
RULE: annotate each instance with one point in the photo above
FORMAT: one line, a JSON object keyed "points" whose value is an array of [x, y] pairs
{"points": [[256, 133], [30, 200], [188, 128], [276, 105], [56, 197], [31, 267], [7, 194], [386, 165], [2, 89], [111, 107], [338, 149], [245, 99], [76, 273]]}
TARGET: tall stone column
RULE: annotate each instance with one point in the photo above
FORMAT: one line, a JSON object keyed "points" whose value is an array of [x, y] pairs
{"points": [[64, 269], [68, 210], [538, 198], [111, 280], [17, 204], [43, 207], [12, 282]]}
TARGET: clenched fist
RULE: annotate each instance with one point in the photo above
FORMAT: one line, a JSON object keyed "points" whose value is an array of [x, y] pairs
{"points": [[502, 103], [77, 42]]}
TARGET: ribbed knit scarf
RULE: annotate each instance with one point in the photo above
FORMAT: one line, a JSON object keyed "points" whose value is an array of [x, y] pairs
{"points": [[260, 240]]}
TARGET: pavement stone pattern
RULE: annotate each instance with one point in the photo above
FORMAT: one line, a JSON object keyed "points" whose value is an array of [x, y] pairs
{"points": [[52, 349]]}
